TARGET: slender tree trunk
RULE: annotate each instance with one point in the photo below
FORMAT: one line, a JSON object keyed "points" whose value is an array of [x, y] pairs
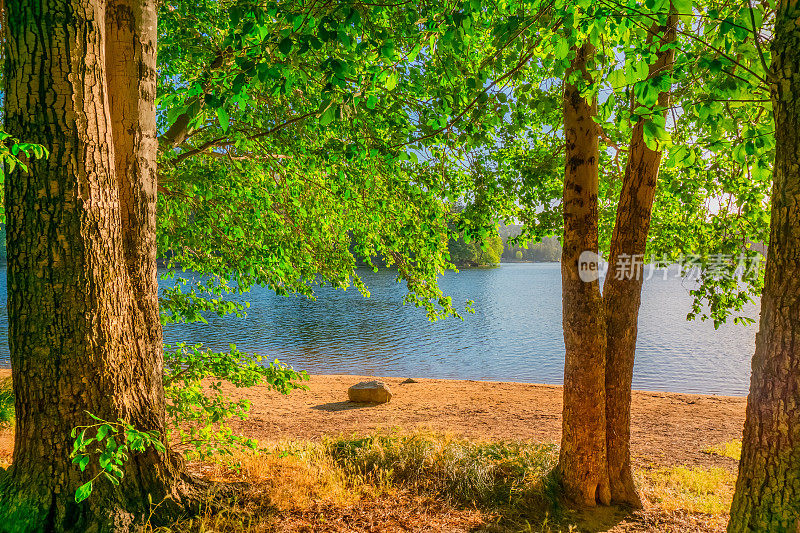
{"points": [[623, 286], [582, 463], [767, 496], [83, 317]]}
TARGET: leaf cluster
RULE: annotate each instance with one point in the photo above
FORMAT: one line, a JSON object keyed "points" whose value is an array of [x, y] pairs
{"points": [[105, 447], [196, 385]]}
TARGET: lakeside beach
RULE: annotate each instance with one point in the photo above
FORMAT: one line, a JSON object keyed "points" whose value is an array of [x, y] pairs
{"points": [[667, 429]]}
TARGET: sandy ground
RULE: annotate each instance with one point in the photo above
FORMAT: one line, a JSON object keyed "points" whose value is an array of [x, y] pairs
{"points": [[667, 428]]}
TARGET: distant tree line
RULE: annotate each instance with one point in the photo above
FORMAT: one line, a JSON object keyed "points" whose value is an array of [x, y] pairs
{"points": [[475, 254], [548, 249]]}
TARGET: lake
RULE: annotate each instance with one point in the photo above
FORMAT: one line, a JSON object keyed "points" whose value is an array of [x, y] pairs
{"points": [[514, 335]]}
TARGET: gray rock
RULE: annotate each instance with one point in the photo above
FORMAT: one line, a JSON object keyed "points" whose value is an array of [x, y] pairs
{"points": [[369, 391], [408, 381]]}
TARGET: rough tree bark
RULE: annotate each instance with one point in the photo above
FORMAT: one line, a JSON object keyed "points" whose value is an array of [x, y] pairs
{"points": [[767, 496], [622, 288], [582, 463], [83, 316]]}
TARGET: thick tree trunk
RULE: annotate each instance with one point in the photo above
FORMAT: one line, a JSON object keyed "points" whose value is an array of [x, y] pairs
{"points": [[582, 463], [767, 494], [623, 286], [83, 317], [131, 80]]}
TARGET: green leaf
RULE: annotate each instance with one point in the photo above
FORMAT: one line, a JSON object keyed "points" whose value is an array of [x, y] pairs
{"points": [[387, 50], [391, 81], [562, 49], [102, 431], [655, 135], [224, 120], [83, 492], [635, 71], [683, 7], [328, 115], [285, 46]]}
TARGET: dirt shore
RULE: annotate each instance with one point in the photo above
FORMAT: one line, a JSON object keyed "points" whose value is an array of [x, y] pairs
{"points": [[667, 428]]}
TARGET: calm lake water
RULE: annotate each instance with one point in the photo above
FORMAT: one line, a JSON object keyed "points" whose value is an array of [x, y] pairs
{"points": [[514, 335]]}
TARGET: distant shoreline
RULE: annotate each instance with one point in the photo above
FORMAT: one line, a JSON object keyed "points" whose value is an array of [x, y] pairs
{"points": [[531, 262]]}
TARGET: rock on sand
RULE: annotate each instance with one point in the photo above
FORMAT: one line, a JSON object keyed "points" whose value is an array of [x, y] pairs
{"points": [[369, 391]]}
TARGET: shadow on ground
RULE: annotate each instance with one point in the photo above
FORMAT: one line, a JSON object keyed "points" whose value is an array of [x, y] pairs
{"points": [[342, 406]]}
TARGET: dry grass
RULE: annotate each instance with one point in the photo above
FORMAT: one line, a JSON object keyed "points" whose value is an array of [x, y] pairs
{"points": [[6, 447], [429, 482], [655, 520], [487, 474], [290, 476], [298, 486], [694, 490], [731, 449]]}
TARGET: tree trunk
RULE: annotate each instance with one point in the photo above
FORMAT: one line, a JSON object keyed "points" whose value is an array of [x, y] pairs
{"points": [[767, 496], [83, 316], [622, 289], [582, 463]]}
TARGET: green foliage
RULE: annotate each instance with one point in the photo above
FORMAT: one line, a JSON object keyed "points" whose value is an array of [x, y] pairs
{"points": [[109, 443], [11, 149], [546, 250], [201, 296], [298, 139], [717, 135], [198, 407], [195, 379], [6, 403], [474, 253], [714, 241], [14, 154], [302, 141]]}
